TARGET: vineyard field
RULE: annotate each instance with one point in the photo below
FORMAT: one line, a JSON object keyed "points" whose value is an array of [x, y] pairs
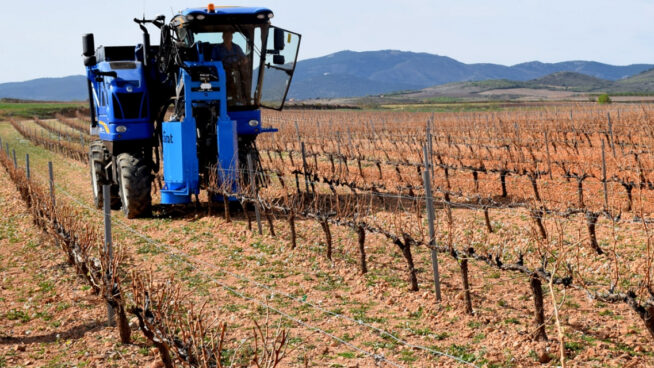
{"points": [[544, 222]]}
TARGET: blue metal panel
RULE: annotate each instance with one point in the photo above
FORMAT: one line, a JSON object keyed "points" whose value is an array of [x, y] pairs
{"points": [[180, 161], [173, 152], [243, 119], [129, 83], [227, 152]]}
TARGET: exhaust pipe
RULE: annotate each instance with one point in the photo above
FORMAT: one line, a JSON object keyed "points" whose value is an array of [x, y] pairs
{"points": [[88, 50]]}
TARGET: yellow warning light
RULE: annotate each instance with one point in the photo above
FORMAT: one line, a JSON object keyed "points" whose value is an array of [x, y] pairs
{"points": [[211, 8]]}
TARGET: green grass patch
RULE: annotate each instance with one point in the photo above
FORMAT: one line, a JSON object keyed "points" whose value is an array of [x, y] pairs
{"points": [[347, 355], [46, 286], [573, 346], [407, 356], [17, 314], [149, 248], [462, 352], [359, 313], [512, 320], [42, 110]]}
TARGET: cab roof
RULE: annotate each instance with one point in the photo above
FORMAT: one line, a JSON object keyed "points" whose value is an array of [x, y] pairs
{"points": [[227, 10], [222, 15]]}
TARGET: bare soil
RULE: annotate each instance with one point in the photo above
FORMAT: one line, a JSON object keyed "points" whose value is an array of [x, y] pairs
{"points": [[227, 255], [48, 316]]}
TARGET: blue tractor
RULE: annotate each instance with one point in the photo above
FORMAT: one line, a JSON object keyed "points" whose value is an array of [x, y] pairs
{"points": [[191, 104]]}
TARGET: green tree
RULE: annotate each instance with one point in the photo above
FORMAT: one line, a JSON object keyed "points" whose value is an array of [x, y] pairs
{"points": [[604, 99]]}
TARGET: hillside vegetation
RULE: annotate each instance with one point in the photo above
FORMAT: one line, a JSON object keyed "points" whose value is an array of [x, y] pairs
{"points": [[555, 86]]}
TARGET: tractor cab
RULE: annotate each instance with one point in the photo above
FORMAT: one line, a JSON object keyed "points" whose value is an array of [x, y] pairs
{"points": [[258, 59]]}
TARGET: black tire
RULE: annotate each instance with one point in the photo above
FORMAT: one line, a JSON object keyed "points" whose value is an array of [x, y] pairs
{"points": [[99, 158], [135, 184]]}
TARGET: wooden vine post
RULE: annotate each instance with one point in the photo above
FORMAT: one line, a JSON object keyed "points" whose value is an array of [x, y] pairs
{"points": [[604, 179], [324, 222], [610, 126], [228, 217], [361, 232], [305, 167], [405, 246], [503, 174], [115, 304], [291, 225], [466, 284], [537, 290], [591, 222], [547, 150]]}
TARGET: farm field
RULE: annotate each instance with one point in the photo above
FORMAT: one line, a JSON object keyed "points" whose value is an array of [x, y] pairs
{"points": [[543, 221]]}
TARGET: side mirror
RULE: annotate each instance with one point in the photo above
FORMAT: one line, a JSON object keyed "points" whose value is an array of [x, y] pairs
{"points": [[279, 39], [88, 45], [279, 60]]}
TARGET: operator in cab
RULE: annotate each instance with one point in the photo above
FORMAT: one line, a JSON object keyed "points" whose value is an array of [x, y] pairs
{"points": [[237, 68], [227, 52]]}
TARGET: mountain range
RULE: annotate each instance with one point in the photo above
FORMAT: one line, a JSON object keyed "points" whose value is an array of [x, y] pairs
{"points": [[351, 74]]}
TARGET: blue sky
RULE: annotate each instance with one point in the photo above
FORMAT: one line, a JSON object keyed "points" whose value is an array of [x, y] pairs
{"points": [[43, 38]]}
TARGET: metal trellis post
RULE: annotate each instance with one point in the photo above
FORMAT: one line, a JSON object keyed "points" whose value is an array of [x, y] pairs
{"points": [[430, 219], [108, 248], [253, 184], [27, 165], [52, 193]]}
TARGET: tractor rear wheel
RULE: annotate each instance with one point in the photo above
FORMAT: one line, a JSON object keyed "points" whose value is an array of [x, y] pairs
{"points": [[99, 158], [135, 183]]}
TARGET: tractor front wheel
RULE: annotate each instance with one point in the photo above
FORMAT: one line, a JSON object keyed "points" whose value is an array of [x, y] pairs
{"points": [[98, 159], [135, 183]]}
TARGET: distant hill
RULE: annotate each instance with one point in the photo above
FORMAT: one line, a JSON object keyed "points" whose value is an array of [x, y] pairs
{"points": [[560, 85], [72, 88], [376, 72], [592, 68], [643, 82], [352, 74], [570, 81]]}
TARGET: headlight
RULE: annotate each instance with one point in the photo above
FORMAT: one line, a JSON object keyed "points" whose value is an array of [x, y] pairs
{"points": [[121, 129], [190, 17], [200, 17], [270, 15], [253, 123]]}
